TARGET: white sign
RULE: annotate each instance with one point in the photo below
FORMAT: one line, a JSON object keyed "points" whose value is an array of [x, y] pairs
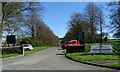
{"points": [[102, 48]]}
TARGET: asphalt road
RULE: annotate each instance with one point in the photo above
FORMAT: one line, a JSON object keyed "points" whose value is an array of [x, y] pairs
{"points": [[48, 59]]}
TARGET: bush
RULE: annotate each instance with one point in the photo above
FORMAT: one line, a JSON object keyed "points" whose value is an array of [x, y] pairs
{"points": [[87, 47], [38, 42], [115, 44]]}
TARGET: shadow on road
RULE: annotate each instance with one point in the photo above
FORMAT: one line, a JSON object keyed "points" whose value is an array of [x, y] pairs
{"points": [[60, 54], [60, 49]]}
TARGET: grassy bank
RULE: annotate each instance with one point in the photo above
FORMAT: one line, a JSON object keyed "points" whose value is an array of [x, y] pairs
{"points": [[36, 49], [9, 55], [92, 56], [114, 65], [96, 57]]}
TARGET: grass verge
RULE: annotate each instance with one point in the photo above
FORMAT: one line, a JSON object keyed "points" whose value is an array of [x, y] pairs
{"points": [[92, 57], [114, 65], [84, 57], [8, 55], [36, 49]]}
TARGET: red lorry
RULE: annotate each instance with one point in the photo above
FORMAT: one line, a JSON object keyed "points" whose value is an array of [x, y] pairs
{"points": [[71, 43]]}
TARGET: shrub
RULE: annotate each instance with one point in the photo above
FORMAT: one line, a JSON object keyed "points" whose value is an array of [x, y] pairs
{"points": [[38, 42], [87, 47], [115, 44]]}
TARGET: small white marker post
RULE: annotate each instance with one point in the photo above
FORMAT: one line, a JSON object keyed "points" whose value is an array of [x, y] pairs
{"points": [[23, 51]]}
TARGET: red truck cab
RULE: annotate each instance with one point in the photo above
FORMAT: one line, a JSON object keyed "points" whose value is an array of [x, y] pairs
{"points": [[71, 43]]}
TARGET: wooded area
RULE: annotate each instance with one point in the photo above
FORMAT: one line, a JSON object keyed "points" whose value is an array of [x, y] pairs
{"points": [[92, 20], [24, 20]]}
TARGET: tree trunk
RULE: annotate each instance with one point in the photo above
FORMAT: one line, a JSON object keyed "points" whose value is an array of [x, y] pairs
{"points": [[2, 25], [2, 21]]}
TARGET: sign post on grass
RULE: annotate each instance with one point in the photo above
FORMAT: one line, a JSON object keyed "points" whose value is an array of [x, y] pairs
{"points": [[11, 39], [80, 36]]}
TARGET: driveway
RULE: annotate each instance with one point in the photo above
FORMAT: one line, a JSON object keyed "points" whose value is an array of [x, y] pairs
{"points": [[48, 59]]}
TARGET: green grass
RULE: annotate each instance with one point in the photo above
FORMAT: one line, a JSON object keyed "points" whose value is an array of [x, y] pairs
{"points": [[93, 57], [64, 52], [87, 47], [114, 65], [8, 55], [114, 43], [89, 53], [36, 49]]}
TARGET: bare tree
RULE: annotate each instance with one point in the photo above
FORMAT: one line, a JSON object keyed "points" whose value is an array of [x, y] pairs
{"points": [[76, 18], [101, 21], [91, 14], [14, 15], [10, 12], [39, 33], [114, 8], [76, 24]]}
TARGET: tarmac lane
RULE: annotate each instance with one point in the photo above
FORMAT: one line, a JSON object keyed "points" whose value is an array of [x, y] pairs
{"points": [[48, 59]]}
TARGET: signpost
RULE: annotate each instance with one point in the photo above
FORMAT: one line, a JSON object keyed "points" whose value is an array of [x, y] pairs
{"points": [[80, 36], [11, 39]]}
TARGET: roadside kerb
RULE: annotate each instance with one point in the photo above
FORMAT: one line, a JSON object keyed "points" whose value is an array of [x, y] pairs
{"points": [[89, 63]]}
